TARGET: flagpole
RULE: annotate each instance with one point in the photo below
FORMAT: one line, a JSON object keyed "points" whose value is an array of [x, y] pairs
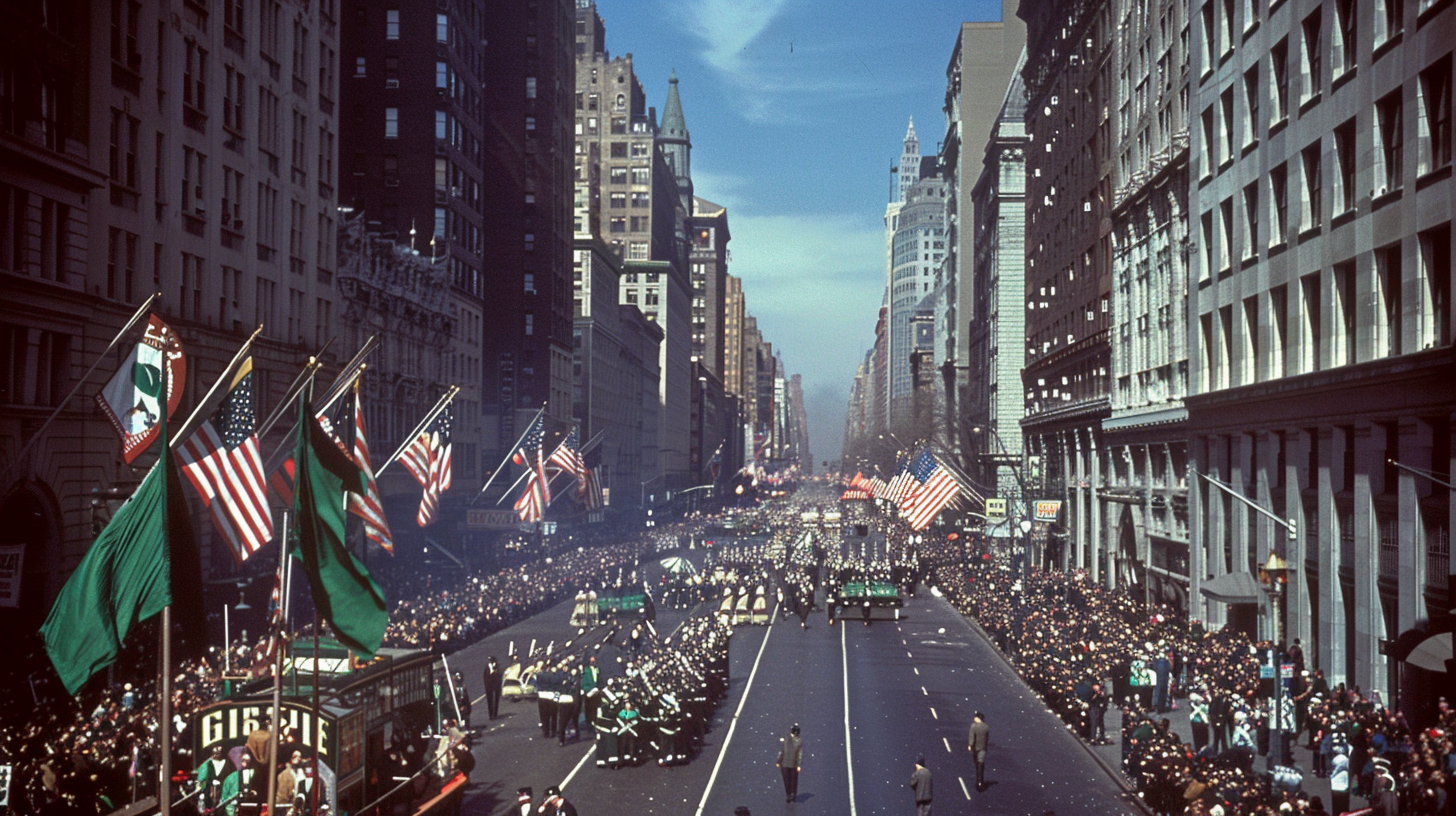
{"points": [[514, 485], [346, 373], [273, 718], [509, 453], [191, 424], [440, 406], [343, 382], [164, 791], [310, 370], [76, 389]]}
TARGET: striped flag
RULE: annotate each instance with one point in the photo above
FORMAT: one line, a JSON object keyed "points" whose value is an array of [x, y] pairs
{"points": [[531, 504], [590, 489], [368, 505], [223, 463], [529, 455], [428, 459], [266, 652], [567, 455], [933, 490]]}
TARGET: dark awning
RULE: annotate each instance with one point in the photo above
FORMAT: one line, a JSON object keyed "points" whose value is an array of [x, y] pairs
{"points": [[1424, 648], [1232, 588]]}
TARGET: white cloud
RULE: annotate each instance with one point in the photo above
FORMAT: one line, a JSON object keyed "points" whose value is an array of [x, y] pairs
{"points": [[728, 27]]}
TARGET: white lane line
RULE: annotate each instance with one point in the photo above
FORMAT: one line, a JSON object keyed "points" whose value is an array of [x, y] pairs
{"points": [[947, 744], [964, 789], [911, 656], [848, 758], [722, 752], [924, 692], [933, 714], [916, 670], [572, 775]]}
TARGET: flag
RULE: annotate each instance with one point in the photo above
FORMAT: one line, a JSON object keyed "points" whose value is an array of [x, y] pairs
{"points": [[428, 459], [934, 489], [223, 463], [343, 592], [531, 504], [132, 400], [567, 455], [589, 490], [529, 455], [368, 505], [144, 560]]}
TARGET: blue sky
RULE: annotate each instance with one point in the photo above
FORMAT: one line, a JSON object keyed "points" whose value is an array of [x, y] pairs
{"points": [[797, 109]]}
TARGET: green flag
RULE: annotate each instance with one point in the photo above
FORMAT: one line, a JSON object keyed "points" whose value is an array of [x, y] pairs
{"points": [[127, 576], [343, 592]]}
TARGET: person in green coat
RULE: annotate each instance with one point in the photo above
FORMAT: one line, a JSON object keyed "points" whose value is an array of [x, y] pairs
{"points": [[210, 776]]}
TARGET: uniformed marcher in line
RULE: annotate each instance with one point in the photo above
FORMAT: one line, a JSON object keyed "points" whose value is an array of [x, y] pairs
{"points": [[492, 679], [791, 758], [555, 804]]}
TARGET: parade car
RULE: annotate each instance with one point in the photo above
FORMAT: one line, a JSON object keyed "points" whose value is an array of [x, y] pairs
{"points": [[854, 597]]}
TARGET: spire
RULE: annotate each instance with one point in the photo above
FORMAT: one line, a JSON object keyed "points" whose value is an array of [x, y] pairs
{"points": [[673, 124], [912, 143]]}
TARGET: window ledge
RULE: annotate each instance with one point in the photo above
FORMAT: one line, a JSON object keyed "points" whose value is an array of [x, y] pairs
{"points": [[1376, 202], [1424, 181], [1249, 147], [1384, 48], [1435, 9], [1278, 249], [1309, 103], [1312, 232], [1249, 261], [1343, 218], [1339, 81], [1250, 29], [1275, 127]]}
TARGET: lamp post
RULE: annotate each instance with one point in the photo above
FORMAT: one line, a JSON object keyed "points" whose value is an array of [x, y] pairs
{"points": [[1274, 574]]}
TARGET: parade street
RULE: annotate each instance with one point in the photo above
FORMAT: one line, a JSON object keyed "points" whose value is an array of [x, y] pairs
{"points": [[869, 699]]}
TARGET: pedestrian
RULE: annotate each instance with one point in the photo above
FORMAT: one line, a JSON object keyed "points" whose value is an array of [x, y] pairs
{"points": [[977, 742], [555, 804], [920, 786], [1097, 709], [524, 806], [791, 757], [1198, 720], [492, 680], [1340, 783]]}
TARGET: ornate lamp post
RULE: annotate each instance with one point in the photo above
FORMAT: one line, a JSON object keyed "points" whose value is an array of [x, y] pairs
{"points": [[1274, 574]]}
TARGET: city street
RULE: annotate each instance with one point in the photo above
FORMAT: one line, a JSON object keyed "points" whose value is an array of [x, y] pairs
{"points": [[868, 700]]}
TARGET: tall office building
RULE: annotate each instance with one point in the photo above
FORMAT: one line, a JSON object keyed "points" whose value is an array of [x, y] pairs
{"points": [[151, 148], [981, 67], [1320, 323], [1068, 262], [917, 248], [413, 161], [1143, 502], [996, 337]]}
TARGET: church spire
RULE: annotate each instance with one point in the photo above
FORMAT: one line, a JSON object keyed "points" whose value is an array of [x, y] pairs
{"points": [[676, 144]]}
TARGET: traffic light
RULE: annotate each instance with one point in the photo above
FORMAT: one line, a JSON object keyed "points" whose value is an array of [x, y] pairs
{"points": [[1293, 529]]}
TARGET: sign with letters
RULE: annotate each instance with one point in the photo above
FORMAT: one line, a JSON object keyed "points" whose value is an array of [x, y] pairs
{"points": [[12, 559], [995, 509], [480, 518], [1047, 510]]}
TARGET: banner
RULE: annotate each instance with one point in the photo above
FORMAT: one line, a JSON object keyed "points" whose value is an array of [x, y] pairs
{"points": [[12, 564], [477, 518], [132, 399]]}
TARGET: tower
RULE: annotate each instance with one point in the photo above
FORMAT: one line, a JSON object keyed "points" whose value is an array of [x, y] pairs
{"points": [[677, 146]]}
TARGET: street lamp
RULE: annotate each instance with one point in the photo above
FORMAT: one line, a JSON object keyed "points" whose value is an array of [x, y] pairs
{"points": [[1274, 574]]}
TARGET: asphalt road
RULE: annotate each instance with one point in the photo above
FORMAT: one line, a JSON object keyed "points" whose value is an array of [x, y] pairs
{"points": [[868, 700]]}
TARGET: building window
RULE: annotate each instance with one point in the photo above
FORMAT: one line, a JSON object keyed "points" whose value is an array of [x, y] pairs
{"points": [[1434, 119], [194, 77], [1345, 38], [1278, 204], [1345, 166], [637, 251], [1388, 319], [1310, 190], [391, 123], [442, 28], [1435, 287], [391, 24], [530, 324], [442, 125], [194, 175], [1389, 19], [1210, 48], [1206, 345], [1278, 330], [618, 200], [1226, 105], [121, 265], [442, 76], [1390, 133], [1206, 271], [1310, 64], [1251, 220], [359, 69], [1210, 143], [618, 224], [1309, 346], [530, 87], [1252, 92], [232, 100], [1279, 82], [1226, 234], [1225, 347], [125, 136], [1248, 369], [617, 175], [1342, 331]]}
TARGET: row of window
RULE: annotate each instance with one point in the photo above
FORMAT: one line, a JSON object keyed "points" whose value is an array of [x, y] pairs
{"points": [[1358, 310]]}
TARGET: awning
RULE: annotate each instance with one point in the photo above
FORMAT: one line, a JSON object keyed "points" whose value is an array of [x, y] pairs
{"points": [[1423, 648], [1232, 588]]}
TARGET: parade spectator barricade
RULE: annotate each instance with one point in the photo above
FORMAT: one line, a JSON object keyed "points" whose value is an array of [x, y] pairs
{"points": [[878, 596], [364, 708]]}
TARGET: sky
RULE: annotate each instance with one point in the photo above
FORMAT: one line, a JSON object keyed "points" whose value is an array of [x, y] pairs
{"points": [[797, 110]]}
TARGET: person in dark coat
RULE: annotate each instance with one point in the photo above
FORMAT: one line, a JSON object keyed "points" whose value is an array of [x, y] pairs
{"points": [[791, 758], [920, 785], [1097, 715], [555, 804], [492, 679], [978, 741]]}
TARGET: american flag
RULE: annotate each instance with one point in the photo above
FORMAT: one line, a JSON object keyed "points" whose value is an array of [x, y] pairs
{"points": [[266, 652], [589, 491], [567, 455], [223, 463], [934, 489], [531, 504], [368, 506], [529, 455], [428, 459]]}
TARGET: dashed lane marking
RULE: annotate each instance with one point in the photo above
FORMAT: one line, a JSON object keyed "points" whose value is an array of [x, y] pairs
{"points": [[964, 789], [933, 714], [947, 744]]}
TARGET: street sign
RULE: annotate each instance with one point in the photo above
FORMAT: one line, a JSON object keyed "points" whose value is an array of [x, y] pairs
{"points": [[995, 509], [1047, 510]]}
